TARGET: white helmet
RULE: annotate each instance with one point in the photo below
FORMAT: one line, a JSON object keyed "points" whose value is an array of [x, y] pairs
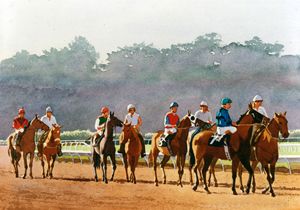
{"points": [[48, 109], [257, 98], [203, 103], [130, 106]]}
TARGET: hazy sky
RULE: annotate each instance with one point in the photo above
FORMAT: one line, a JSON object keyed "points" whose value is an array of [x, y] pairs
{"points": [[36, 25]]}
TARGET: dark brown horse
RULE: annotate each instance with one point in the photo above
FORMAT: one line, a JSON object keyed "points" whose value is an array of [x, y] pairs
{"points": [[27, 146], [106, 148], [239, 149], [266, 149], [133, 149], [179, 147], [50, 150]]}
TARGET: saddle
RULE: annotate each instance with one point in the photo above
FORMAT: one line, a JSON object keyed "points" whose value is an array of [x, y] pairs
{"points": [[223, 142]]}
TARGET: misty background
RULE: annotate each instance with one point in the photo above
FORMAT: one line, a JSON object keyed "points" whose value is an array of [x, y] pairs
{"points": [[75, 84]]}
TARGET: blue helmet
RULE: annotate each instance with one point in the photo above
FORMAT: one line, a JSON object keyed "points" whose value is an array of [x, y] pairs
{"points": [[174, 104], [226, 101]]}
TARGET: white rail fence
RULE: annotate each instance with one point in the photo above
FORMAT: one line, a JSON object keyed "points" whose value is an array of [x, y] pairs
{"points": [[80, 149]]}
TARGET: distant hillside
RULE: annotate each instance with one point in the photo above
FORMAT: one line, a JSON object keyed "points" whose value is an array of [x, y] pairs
{"points": [[75, 85]]}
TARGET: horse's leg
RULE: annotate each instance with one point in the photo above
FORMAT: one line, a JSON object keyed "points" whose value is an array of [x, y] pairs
{"points": [[246, 164], [126, 166], [200, 171], [207, 162], [25, 165], [162, 166], [182, 164], [104, 168], [235, 163], [48, 158], [114, 166], [134, 164], [96, 163], [240, 174], [31, 164], [212, 171], [154, 157], [254, 165], [52, 165], [43, 166], [266, 167]]}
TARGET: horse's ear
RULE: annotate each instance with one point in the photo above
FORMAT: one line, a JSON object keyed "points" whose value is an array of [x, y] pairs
{"points": [[276, 115], [36, 115], [250, 105], [284, 113], [113, 114], [189, 112]]}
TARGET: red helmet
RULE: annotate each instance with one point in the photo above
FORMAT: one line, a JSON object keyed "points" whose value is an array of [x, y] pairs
{"points": [[104, 109], [21, 111]]}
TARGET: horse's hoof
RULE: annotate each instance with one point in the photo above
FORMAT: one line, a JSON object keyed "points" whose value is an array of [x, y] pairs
{"points": [[253, 190], [234, 192], [128, 180], [264, 191], [208, 184], [273, 194], [247, 191], [165, 182], [216, 184], [96, 180], [242, 189], [111, 179], [31, 177], [156, 184], [24, 177], [195, 187]]}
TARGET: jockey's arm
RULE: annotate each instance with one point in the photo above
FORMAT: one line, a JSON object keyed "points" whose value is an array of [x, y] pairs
{"points": [[140, 122], [97, 124]]}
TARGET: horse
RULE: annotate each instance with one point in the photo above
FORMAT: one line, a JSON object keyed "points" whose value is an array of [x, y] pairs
{"points": [[266, 150], [179, 147], [106, 148], [204, 126], [239, 149], [50, 150], [27, 146], [133, 149]]}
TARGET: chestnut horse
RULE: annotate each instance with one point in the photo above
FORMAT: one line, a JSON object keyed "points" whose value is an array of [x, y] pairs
{"points": [[50, 150], [266, 149], [239, 149], [27, 146], [133, 149], [204, 126], [106, 148], [179, 147]]}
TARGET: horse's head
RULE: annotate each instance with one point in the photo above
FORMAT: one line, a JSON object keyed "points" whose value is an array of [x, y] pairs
{"points": [[187, 120], [114, 120], [56, 131], [282, 123], [36, 123], [126, 130], [251, 116]]}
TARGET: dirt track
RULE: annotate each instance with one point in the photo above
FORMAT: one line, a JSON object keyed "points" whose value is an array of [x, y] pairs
{"points": [[73, 188]]}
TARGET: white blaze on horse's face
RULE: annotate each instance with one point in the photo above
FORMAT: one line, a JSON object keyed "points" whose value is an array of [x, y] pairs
{"points": [[192, 119]]}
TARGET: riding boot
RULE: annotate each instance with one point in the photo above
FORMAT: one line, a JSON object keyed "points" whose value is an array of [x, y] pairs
{"points": [[41, 142], [59, 152], [18, 139], [168, 140], [122, 148], [143, 152]]}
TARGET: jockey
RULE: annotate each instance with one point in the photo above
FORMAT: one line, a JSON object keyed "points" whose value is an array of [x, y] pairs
{"points": [[257, 105], [171, 122], [224, 122], [258, 128], [100, 125], [19, 124], [202, 114], [135, 120], [49, 120]]}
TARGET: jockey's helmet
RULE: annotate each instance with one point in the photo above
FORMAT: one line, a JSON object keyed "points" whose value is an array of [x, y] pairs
{"points": [[203, 103], [130, 106], [226, 101], [21, 111], [48, 109], [174, 104], [104, 109], [257, 98]]}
